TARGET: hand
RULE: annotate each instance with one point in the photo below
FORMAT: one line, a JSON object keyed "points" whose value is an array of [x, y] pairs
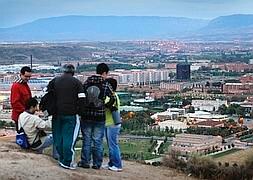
{"points": [[114, 108], [39, 113]]}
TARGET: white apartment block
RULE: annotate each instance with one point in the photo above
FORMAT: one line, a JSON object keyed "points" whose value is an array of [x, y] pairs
{"points": [[208, 105], [175, 86], [170, 114], [141, 77], [175, 124], [199, 116]]}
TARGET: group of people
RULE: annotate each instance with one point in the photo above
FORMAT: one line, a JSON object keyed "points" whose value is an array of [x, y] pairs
{"points": [[90, 106]]}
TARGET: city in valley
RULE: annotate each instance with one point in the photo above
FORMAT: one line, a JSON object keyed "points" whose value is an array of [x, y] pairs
{"points": [[185, 97], [126, 89]]}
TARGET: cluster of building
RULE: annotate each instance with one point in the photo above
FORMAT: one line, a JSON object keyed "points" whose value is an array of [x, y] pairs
{"points": [[243, 86], [141, 77], [232, 67], [194, 143], [177, 118]]}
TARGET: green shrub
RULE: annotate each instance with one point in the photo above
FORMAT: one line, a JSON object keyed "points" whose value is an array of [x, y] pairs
{"points": [[206, 168]]}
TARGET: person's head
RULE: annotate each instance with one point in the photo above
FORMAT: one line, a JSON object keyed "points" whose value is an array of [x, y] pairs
{"points": [[69, 69], [32, 105], [113, 83], [102, 69], [25, 73]]}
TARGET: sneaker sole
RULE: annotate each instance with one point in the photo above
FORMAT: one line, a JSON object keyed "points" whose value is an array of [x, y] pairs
{"points": [[66, 167], [115, 170]]}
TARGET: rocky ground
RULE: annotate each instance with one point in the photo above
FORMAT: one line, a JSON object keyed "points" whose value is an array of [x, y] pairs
{"points": [[17, 164]]}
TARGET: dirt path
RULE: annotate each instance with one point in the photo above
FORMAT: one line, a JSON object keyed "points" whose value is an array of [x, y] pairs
{"points": [[16, 164]]}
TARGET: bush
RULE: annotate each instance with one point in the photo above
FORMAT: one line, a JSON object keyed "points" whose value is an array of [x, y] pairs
{"points": [[206, 168], [173, 160]]}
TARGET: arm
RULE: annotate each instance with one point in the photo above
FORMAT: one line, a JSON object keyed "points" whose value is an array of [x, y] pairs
{"points": [[109, 92], [41, 124], [50, 85], [80, 98], [15, 99]]}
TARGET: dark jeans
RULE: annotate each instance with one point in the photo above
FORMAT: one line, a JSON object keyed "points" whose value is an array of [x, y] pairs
{"points": [[93, 134], [16, 125]]}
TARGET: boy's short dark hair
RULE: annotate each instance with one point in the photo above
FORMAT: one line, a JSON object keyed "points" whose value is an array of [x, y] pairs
{"points": [[25, 69], [101, 68], [113, 83], [32, 102]]}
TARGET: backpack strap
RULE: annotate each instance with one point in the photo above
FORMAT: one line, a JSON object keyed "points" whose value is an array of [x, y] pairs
{"points": [[34, 140]]}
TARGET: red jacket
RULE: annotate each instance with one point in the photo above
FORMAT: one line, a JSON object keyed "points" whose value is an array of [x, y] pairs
{"points": [[20, 94]]}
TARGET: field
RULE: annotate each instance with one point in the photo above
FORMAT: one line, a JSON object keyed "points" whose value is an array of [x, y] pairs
{"points": [[226, 153], [238, 157], [130, 149]]}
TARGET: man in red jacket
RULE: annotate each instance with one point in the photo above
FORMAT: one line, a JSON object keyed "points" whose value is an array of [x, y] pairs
{"points": [[20, 93]]}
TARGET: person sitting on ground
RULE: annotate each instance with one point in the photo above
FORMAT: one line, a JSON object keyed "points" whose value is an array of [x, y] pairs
{"points": [[34, 127]]}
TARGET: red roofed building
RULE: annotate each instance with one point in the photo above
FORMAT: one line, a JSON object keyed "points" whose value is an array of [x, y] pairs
{"points": [[210, 124]]}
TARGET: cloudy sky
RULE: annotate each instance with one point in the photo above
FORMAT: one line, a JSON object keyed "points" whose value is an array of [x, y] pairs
{"points": [[14, 12]]}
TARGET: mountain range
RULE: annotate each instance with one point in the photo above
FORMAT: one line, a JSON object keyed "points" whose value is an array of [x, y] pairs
{"points": [[113, 28]]}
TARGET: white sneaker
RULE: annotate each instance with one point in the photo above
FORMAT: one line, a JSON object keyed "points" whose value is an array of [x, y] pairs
{"points": [[105, 166], [72, 167], [113, 168]]}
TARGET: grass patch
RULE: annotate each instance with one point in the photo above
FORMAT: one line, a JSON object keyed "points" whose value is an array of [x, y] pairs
{"points": [[249, 139], [130, 149], [231, 151]]}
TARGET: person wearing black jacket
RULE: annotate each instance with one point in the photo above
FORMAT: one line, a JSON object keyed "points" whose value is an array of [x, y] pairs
{"points": [[70, 96], [93, 118]]}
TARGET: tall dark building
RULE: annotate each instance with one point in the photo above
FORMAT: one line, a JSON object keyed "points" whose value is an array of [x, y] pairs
{"points": [[183, 71]]}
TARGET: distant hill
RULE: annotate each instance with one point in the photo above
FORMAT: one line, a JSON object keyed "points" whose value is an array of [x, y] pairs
{"points": [[101, 28], [111, 28], [233, 27], [232, 21]]}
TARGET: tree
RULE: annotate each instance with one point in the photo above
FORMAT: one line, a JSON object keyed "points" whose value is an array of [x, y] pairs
{"points": [[222, 109], [151, 140], [176, 131], [231, 120], [191, 109], [166, 129], [180, 130], [171, 129], [166, 139]]}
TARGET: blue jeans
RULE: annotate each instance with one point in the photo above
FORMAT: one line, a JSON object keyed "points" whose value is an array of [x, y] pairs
{"points": [[48, 142], [112, 138], [93, 134]]}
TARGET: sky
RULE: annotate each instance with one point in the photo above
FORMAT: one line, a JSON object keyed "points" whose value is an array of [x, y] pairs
{"points": [[16, 12]]}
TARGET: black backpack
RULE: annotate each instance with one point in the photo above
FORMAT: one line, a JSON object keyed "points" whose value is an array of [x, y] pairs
{"points": [[94, 96], [48, 101]]}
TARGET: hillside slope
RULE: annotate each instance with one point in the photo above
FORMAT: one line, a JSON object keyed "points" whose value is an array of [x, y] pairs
{"points": [[18, 164], [114, 28], [227, 28], [101, 28]]}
